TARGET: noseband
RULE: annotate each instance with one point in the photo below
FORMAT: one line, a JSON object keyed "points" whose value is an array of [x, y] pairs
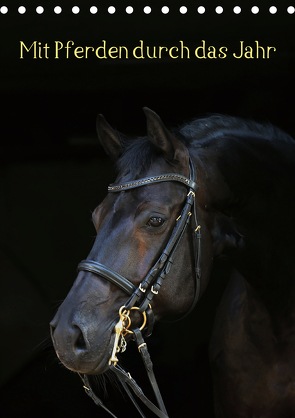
{"points": [[141, 297]]}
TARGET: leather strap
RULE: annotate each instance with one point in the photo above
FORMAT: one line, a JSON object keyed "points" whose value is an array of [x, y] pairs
{"points": [[92, 395], [142, 347], [107, 273], [154, 179], [122, 375]]}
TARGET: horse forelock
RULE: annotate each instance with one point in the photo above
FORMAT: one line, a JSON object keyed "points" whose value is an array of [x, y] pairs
{"points": [[137, 156]]}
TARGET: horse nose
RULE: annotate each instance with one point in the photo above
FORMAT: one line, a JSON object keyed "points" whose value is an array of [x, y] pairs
{"points": [[72, 336]]}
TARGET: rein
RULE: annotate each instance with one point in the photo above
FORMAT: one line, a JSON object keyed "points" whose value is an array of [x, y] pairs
{"points": [[141, 297]]}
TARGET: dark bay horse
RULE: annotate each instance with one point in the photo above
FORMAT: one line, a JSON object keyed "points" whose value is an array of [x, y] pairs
{"points": [[245, 205]]}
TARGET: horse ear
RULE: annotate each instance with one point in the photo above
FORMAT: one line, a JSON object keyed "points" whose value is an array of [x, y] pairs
{"points": [[109, 138], [159, 135]]}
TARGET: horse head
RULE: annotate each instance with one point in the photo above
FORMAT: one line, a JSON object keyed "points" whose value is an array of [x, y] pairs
{"points": [[134, 227]]}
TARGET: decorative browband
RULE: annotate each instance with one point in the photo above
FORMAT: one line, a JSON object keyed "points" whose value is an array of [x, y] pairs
{"points": [[155, 179]]}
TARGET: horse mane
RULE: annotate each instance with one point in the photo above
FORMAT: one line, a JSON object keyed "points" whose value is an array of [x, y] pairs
{"points": [[214, 126], [138, 154]]}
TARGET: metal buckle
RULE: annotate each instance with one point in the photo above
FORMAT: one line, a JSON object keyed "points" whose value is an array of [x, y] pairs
{"points": [[191, 192], [142, 289], [141, 346], [155, 292]]}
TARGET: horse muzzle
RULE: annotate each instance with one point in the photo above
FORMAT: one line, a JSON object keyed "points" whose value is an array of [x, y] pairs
{"points": [[82, 348]]}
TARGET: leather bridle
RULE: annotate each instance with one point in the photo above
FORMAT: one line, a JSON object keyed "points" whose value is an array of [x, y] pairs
{"points": [[141, 297]]}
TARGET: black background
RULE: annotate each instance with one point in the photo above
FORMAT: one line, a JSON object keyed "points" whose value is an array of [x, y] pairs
{"points": [[53, 173]]}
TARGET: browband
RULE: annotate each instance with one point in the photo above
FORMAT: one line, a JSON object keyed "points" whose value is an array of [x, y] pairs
{"points": [[154, 179]]}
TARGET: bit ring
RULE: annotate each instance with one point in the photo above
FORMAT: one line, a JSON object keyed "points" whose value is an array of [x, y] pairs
{"points": [[143, 324]]}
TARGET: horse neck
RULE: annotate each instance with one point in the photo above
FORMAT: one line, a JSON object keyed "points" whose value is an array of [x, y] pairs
{"points": [[258, 198]]}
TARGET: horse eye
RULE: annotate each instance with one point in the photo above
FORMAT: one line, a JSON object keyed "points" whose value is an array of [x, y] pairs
{"points": [[155, 221]]}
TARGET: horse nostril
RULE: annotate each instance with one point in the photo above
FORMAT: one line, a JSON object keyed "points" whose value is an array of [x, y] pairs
{"points": [[52, 329], [80, 343]]}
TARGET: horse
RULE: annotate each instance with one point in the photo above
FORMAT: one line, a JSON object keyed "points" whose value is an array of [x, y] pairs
{"points": [[229, 181]]}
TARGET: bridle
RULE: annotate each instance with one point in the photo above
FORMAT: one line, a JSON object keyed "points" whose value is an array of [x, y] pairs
{"points": [[141, 297]]}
